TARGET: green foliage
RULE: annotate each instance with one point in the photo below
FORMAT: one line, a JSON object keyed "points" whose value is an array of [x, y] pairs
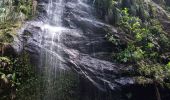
{"points": [[7, 76], [153, 71], [167, 67], [144, 50], [14, 72], [130, 54], [5, 65], [132, 26], [11, 19], [112, 39], [10, 10], [110, 9]]}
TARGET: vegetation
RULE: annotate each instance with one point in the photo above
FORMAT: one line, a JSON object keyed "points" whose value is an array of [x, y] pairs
{"points": [[14, 72], [12, 14], [144, 50], [14, 69], [146, 47], [148, 44]]}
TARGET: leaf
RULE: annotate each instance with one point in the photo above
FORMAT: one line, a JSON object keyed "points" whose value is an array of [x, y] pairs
{"points": [[14, 76], [4, 78]]}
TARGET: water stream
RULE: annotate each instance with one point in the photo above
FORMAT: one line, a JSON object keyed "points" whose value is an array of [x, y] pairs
{"points": [[68, 46]]}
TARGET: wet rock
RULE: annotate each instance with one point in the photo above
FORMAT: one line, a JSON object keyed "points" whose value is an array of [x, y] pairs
{"points": [[78, 43]]}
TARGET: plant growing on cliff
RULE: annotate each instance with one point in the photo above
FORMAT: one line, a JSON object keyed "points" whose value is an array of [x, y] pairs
{"points": [[145, 47], [14, 71]]}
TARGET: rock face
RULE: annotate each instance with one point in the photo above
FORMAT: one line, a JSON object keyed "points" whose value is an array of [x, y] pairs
{"points": [[66, 35]]}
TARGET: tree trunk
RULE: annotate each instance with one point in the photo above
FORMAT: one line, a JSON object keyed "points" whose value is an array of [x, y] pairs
{"points": [[34, 6], [158, 96]]}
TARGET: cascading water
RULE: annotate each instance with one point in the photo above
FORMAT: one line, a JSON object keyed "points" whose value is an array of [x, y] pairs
{"points": [[66, 36], [50, 43]]}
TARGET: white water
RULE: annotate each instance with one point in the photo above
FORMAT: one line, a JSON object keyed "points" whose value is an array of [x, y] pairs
{"points": [[50, 59], [57, 45]]}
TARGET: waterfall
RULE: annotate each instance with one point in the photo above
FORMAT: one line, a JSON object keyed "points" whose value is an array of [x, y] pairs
{"points": [[68, 45], [94, 1], [50, 42]]}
